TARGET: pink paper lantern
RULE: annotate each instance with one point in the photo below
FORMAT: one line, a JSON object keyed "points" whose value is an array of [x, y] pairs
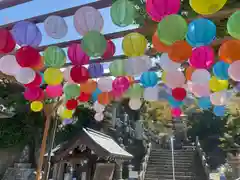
{"points": [[202, 57], [174, 79], [110, 50], [120, 84], [176, 112], [158, 9], [76, 55], [32, 94], [201, 90], [54, 91]]}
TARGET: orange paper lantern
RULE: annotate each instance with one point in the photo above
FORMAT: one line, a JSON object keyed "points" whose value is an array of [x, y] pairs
{"points": [[189, 72], [40, 65], [180, 51], [158, 45], [229, 51], [105, 98], [130, 79], [88, 87]]}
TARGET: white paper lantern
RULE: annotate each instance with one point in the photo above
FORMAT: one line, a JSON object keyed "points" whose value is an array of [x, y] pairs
{"points": [[105, 84], [25, 75], [99, 108], [9, 65], [135, 104]]}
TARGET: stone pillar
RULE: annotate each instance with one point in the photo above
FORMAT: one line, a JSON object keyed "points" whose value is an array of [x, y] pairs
{"points": [[118, 170], [60, 172], [234, 161]]}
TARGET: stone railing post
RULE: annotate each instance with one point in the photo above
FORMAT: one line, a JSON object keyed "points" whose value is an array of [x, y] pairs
{"points": [[234, 161]]}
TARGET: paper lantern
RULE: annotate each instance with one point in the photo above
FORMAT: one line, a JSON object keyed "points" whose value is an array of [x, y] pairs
{"points": [[229, 51], [7, 43], [217, 84], [158, 45], [123, 13], [200, 76], [79, 74], [32, 94], [54, 91], [71, 91], [94, 44], [96, 70], [180, 51], [87, 19], [36, 106], [173, 102], [105, 84], [179, 93], [120, 84], [89, 86], [204, 103], [54, 57], [66, 114], [40, 65], [71, 104], [53, 76], [105, 98], [76, 55], [98, 117], [201, 32], [176, 112], [151, 93], [27, 56], [234, 71], [202, 57], [36, 82], [158, 9], [219, 110], [55, 27], [201, 90], [220, 70], [149, 79], [135, 66], [167, 64], [95, 94], [9, 65], [26, 33], [84, 97], [67, 121], [219, 98], [188, 73], [206, 7], [134, 44], [98, 107], [174, 79], [135, 104], [171, 29], [117, 68], [25, 75], [135, 91], [66, 74], [232, 25], [131, 80], [110, 50]]}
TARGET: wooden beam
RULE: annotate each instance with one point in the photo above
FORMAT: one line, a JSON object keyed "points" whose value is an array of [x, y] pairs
{"points": [[10, 3], [99, 4]]}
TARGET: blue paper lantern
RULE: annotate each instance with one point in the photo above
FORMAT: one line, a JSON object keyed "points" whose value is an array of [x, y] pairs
{"points": [[149, 79], [204, 103], [95, 94], [219, 110], [173, 102], [220, 70], [95, 70], [201, 32]]}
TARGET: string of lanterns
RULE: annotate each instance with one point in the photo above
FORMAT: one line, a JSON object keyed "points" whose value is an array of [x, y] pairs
{"points": [[178, 41]]}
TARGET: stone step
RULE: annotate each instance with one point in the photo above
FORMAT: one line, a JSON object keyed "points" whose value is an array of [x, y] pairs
{"points": [[17, 173], [170, 154], [22, 165], [164, 177], [176, 163], [162, 172], [170, 158]]}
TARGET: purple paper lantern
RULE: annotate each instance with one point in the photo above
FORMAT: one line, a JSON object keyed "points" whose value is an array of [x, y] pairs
{"points": [[67, 121], [95, 70], [26, 33]]}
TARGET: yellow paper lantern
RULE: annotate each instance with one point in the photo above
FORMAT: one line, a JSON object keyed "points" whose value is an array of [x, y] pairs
{"points": [[217, 84], [134, 44], [53, 76], [66, 114], [36, 106], [164, 76], [206, 7]]}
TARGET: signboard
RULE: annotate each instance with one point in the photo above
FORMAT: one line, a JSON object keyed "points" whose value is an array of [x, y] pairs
{"points": [[104, 171]]}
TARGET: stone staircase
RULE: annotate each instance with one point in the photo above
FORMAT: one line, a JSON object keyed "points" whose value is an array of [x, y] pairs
{"points": [[20, 171], [186, 163]]}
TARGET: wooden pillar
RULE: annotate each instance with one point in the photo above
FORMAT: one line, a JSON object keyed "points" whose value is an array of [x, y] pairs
{"points": [[60, 173], [118, 170]]}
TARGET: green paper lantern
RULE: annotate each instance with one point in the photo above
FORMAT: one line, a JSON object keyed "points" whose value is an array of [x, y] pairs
{"points": [[71, 91], [54, 57], [233, 26], [94, 44], [135, 91], [171, 29], [117, 68], [123, 13]]}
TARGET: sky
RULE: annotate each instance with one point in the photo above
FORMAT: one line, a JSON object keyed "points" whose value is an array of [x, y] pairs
{"points": [[39, 7]]}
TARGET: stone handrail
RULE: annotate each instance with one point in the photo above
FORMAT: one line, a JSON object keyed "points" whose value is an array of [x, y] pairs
{"points": [[145, 162], [202, 155]]}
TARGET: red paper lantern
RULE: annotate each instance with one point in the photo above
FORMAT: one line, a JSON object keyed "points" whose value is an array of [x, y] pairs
{"points": [[110, 50], [179, 93], [36, 82], [7, 43], [84, 97], [71, 104], [79, 74], [27, 56]]}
